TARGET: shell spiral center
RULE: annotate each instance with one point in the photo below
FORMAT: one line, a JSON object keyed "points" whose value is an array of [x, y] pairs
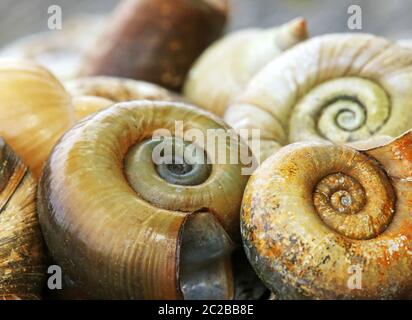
{"points": [[358, 204]]}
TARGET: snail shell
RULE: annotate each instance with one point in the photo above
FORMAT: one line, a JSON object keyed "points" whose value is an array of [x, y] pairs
{"points": [[35, 110], [84, 106], [22, 260], [341, 87], [59, 51], [91, 94], [156, 40], [313, 210], [121, 226], [224, 70]]}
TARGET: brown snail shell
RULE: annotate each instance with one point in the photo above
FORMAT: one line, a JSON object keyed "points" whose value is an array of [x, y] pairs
{"points": [[119, 229], [338, 87], [35, 110], [117, 89], [59, 51], [223, 70], [22, 259], [313, 210], [156, 40]]}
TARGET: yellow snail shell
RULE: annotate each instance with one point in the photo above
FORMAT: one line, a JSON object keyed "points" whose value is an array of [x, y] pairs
{"points": [[59, 51], [117, 89], [91, 94], [84, 106], [22, 260], [224, 69], [119, 229], [314, 210], [341, 87], [35, 110]]}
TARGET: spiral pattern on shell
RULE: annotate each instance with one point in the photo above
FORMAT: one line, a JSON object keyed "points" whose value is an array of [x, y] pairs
{"points": [[22, 259], [341, 88], [224, 69], [123, 226], [314, 211]]}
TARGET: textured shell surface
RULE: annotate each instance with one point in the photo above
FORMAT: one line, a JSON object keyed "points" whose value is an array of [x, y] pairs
{"points": [[314, 213], [336, 87], [22, 254]]}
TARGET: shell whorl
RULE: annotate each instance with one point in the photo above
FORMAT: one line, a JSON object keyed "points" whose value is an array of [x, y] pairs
{"points": [[340, 88], [22, 259], [342, 199], [224, 70], [313, 210], [105, 205]]}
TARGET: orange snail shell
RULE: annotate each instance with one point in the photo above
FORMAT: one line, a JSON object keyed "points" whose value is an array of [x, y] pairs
{"points": [[314, 210]]}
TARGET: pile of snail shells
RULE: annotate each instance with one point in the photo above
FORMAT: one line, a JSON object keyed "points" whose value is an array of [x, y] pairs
{"points": [[335, 87], [36, 108], [182, 224], [334, 195], [325, 216], [179, 229]]}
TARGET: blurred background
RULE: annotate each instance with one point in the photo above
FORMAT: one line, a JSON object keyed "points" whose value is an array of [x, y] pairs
{"points": [[382, 17]]}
